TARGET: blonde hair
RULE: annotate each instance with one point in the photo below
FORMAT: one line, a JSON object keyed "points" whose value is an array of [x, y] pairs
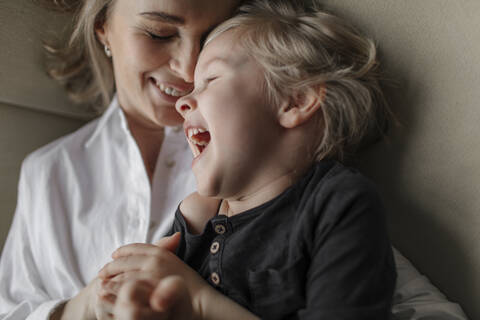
{"points": [[302, 48], [81, 64]]}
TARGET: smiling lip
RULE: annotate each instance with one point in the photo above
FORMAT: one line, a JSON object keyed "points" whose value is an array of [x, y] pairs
{"points": [[172, 99]]}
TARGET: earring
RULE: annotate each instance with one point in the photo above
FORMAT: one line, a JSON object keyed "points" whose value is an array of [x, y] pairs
{"points": [[108, 52]]}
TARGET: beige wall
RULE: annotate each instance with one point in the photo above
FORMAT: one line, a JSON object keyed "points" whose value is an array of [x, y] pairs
{"points": [[33, 109], [429, 172]]}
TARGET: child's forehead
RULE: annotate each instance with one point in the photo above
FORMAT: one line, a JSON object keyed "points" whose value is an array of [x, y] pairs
{"points": [[224, 49]]}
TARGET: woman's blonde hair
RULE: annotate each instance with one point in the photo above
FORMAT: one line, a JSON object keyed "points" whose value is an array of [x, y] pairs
{"points": [[300, 48], [80, 64]]}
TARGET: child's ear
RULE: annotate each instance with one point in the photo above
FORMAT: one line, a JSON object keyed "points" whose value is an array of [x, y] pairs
{"points": [[301, 107]]}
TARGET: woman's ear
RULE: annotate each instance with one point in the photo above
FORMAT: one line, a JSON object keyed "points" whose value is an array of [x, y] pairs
{"points": [[301, 107], [101, 32]]}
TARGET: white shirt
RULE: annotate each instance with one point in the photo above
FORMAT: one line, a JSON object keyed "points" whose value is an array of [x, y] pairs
{"points": [[80, 198]]}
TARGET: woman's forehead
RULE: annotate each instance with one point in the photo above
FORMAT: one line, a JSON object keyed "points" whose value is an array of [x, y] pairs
{"points": [[182, 12]]}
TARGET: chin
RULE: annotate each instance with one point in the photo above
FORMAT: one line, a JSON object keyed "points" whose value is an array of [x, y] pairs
{"points": [[171, 118], [207, 189]]}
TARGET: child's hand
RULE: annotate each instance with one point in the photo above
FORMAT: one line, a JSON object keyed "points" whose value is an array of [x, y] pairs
{"points": [[141, 300], [197, 210], [140, 263]]}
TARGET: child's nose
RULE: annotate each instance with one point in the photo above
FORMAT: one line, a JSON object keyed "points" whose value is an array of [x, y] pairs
{"points": [[184, 106]]}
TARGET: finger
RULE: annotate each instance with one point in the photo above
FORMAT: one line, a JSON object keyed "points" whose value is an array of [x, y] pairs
{"points": [[129, 312], [105, 303], [170, 243], [168, 293], [113, 285], [158, 262], [121, 265], [135, 249], [133, 302], [136, 292]]}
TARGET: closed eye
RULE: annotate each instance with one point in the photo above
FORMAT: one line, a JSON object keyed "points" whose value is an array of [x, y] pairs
{"points": [[160, 38], [210, 79]]}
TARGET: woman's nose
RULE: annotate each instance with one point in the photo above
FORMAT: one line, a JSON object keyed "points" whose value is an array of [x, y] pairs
{"points": [[184, 59]]}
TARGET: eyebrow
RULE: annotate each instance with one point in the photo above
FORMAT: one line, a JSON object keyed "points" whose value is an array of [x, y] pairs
{"points": [[163, 17]]}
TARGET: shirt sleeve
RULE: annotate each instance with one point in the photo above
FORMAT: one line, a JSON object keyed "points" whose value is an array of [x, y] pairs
{"points": [[22, 295], [352, 272]]}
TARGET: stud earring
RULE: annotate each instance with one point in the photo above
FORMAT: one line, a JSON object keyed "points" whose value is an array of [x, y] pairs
{"points": [[108, 52]]}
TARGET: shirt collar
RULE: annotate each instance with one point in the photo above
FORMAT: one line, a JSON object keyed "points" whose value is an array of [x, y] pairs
{"points": [[176, 133], [112, 109]]}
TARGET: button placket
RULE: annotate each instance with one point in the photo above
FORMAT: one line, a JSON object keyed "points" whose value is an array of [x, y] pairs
{"points": [[221, 228], [215, 260]]}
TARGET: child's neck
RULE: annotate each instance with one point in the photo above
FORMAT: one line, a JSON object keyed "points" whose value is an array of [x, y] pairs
{"points": [[235, 205]]}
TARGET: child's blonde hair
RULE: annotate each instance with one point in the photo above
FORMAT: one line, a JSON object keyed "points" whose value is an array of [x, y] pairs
{"points": [[301, 47]]}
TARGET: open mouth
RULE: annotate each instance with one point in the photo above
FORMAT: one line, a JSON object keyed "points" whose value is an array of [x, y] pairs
{"points": [[198, 139]]}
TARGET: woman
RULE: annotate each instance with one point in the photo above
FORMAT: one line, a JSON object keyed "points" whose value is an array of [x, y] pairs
{"points": [[118, 179]]}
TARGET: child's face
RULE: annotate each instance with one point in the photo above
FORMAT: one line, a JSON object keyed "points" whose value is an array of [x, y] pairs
{"points": [[230, 127]]}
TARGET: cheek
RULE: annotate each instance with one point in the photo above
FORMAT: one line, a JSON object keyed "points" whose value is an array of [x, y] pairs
{"points": [[141, 55]]}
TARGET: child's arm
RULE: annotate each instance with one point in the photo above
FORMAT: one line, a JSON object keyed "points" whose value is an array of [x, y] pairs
{"points": [[352, 272], [197, 210]]}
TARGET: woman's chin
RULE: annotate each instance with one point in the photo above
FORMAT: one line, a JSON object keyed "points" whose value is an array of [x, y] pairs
{"points": [[167, 118]]}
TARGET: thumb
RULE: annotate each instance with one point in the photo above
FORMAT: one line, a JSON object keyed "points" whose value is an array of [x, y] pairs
{"points": [[171, 293], [169, 243]]}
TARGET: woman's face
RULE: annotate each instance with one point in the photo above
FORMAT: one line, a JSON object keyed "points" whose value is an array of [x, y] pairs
{"points": [[155, 46]]}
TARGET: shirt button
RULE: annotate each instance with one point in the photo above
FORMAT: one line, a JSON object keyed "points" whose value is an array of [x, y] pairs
{"points": [[152, 226], [215, 278], [220, 229], [170, 163], [214, 247]]}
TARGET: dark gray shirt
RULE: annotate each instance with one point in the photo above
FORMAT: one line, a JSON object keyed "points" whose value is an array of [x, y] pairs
{"points": [[319, 250]]}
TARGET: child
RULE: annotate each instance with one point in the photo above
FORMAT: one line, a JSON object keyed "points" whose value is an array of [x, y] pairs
{"points": [[282, 92]]}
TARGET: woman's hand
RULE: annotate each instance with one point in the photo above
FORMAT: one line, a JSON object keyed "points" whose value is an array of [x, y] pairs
{"points": [[91, 303], [141, 300]]}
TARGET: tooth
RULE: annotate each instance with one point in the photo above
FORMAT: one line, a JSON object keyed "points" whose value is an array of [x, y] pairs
{"points": [[162, 87], [194, 149]]}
